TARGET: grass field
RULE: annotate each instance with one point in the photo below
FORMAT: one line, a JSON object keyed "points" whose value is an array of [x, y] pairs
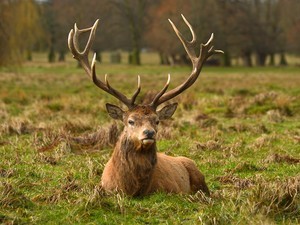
{"points": [[240, 125]]}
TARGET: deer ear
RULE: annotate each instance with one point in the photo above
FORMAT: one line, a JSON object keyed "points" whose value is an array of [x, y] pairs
{"points": [[167, 111], [114, 111]]}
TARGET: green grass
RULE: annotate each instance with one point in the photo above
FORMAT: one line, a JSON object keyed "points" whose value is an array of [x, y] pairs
{"points": [[240, 125]]}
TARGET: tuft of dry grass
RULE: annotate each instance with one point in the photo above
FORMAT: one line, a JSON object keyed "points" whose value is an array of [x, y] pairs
{"points": [[296, 139], [67, 185], [96, 198], [11, 198], [166, 132], [275, 116], [237, 106], [279, 158], [17, 126], [238, 183], [283, 103], [239, 127], [200, 197], [262, 98], [276, 198], [6, 173], [246, 167], [189, 101], [205, 121], [102, 138], [210, 145], [263, 141]]}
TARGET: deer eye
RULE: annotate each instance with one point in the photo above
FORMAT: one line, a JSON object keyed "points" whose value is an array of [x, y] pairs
{"points": [[131, 122], [157, 122]]}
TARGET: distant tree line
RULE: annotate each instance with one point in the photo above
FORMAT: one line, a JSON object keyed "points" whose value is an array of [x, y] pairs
{"points": [[251, 30]]}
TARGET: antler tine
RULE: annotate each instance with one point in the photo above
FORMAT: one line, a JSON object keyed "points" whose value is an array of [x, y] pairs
{"points": [[159, 94], [191, 29], [96, 81], [188, 45], [137, 90], [206, 50], [91, 36], [82, 57], [107, 87]]}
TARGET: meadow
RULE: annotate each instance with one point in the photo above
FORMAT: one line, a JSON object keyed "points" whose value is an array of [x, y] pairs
{"points": [[240, 125]]}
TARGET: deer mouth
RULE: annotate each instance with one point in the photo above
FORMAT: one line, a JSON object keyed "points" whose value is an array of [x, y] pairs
{"points": [[148, 141]]}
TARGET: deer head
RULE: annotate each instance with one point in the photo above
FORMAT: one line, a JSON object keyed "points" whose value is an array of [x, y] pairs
{"points": [[141, 121]]}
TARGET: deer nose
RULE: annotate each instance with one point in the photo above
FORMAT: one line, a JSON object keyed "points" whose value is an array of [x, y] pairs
{"points": [[149, 133]]}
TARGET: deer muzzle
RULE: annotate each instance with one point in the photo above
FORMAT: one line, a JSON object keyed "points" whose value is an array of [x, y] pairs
{"points": [[148, 137]]}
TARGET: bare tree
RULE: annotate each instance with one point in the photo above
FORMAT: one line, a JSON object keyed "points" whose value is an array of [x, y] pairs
{"points": [[289, 10], [159, 35], [80, 11], [252, 27], [133, 16]]}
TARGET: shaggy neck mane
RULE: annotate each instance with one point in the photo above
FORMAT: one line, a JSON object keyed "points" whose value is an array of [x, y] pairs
{"points": [[134, 165]]}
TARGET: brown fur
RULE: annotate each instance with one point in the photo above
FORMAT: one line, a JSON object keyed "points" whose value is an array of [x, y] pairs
{"points": [[137, 170]]}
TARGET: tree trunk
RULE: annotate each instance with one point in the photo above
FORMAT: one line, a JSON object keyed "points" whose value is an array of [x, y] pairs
{"points": [[272, 59], [226, 59], [134, 14], [247, 61], [62, 56], [184, 59], [98, 56], [164, 60], [283, 61], [29, 55], [51, 55], [173, 59], [135, 57], [261, 59], [115, 57]]}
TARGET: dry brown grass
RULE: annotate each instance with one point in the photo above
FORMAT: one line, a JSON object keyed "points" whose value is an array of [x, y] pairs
{"points": [[280, 158], [237, 182], [240, 126], [101, 138]]}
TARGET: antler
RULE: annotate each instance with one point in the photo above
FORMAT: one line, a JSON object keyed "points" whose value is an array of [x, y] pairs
{"points": [[82, 57], [206, 50]]}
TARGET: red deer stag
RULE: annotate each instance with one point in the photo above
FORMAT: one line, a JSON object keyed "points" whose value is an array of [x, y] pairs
{"points": [[135, 167]]}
